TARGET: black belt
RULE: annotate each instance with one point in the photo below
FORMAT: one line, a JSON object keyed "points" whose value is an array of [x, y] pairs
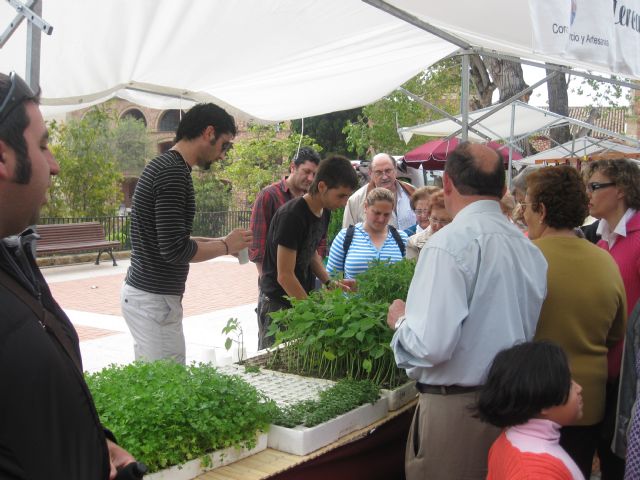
{"points": [[444, 389]]}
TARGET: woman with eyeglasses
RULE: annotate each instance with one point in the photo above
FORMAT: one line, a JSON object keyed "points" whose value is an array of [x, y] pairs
{"points": [[613, 187], [374, 239], [584, 311], [421, 206], [438, 218]]}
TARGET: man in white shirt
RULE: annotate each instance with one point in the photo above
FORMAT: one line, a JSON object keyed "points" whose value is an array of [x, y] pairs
{"points": [[383, 172], [477, 289]]}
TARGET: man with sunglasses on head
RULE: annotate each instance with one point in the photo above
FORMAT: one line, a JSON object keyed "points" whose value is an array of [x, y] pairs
{"points": [[162, 215], [49, 426]]}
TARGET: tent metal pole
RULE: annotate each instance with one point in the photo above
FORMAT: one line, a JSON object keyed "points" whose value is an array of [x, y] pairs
{"points": [[513, 126], [34, 43], [437, 109], [24, 11], [464, 98]]}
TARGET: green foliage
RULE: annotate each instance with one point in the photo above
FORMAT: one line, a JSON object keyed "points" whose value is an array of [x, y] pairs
{"points": [[165, 413], [602, 94], [131, 145], [327, 129], [384, 281], [89, 180], [212, 194], [233, 327], [335, 224], [334, 335], [376, 129], [260, 159], [344, 396]]}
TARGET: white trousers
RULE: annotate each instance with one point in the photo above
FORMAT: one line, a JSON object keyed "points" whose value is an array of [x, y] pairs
{"points": [[155, 322]]}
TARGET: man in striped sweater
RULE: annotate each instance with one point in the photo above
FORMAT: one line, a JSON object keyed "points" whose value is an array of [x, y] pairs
{"points": [[161, 224]]}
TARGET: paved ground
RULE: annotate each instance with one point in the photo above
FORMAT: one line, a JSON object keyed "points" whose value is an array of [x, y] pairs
{"points": [[216, 291]]}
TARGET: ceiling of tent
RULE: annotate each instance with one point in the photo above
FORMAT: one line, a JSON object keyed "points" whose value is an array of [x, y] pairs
{"points": [[283, 59], [497, 126]]}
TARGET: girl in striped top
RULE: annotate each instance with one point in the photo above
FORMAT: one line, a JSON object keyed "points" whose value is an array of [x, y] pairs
{"points": [[372, 239]]}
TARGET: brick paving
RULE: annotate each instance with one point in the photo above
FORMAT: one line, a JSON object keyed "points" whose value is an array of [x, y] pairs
{"points": [[91, 333], [210, 286]]}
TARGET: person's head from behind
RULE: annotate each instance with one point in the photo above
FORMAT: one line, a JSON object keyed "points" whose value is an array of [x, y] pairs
{"points": [[556, 198], [529, 380], [421, 204], [213, 127], [303, 169], [378, 207], [518, 186], [26, 163], [334, 182], [383, 171], [613, 186], [474, 170], [439, 216]]}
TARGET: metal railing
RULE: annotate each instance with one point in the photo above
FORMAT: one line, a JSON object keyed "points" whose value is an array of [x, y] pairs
{"points": [[205, 224]]}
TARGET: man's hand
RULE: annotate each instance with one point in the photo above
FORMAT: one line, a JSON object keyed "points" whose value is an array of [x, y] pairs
{"points": [[396, 310], [238, 239], [119, 458]]}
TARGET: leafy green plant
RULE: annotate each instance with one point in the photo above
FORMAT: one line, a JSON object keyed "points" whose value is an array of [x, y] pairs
{"points": [[165, 413], [384, 281], [234, 327], [335, 335], [344, 396]]}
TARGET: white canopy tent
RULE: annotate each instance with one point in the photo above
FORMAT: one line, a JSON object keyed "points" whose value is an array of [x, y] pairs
{"points": [[580, 147], [522, 117], [282, 59]]}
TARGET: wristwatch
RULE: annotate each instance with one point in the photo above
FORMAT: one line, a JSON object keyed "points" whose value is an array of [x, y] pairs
{"points": [[399, 322]]}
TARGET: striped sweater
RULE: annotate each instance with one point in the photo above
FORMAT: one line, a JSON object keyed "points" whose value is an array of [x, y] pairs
{"points": [[161, 222]]}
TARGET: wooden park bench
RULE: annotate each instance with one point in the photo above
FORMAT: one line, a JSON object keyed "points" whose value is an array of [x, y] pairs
{"points": [[74, 237]]}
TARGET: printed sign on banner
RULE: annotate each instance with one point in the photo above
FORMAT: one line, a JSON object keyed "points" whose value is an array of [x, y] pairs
{"points": [[601, 32]]}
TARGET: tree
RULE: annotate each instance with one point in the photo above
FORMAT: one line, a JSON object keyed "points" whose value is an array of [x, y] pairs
{"points": [[259, 160], [212, 195], [89, 180], [558, 103], [132, 146], [327, 129], [376, 129]]}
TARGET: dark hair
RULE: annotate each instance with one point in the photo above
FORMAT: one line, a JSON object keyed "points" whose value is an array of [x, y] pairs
{"points": [[12, 129], [522, 381], [626, 175], [335, 171], [202, 115], [563, 194], [306, 154], [467, 176]]}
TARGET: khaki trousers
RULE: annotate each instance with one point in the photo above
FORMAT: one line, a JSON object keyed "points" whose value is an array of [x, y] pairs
{"points": [[445, 442]]}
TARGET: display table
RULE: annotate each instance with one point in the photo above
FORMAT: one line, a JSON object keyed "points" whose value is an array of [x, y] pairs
{"points": [[374, 452]]}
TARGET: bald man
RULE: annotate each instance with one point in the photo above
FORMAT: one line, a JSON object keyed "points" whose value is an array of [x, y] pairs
{"points": [[383, 173], [477, 289]]}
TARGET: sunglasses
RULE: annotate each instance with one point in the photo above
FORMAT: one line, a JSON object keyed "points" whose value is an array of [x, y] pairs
{"points": [[593, 186], [226, 146], [19, 91]]}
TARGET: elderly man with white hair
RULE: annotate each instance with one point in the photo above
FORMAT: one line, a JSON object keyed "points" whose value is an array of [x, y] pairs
{"points": [[383, 173]]}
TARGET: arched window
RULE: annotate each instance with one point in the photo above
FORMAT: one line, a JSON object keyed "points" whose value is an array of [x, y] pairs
{"points": [[169, 121], [135, 114]]}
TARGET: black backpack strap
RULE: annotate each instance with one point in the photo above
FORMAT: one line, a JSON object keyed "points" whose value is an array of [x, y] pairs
{"points": [[348, 238], [396, 236]]}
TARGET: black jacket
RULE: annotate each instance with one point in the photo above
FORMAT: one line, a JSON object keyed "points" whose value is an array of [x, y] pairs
{"points": [[49, 428]]}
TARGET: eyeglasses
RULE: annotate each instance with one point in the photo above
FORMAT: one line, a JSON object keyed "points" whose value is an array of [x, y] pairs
{"points": [[379, 173], [524, 205], [439, 221], [593, 186], [226, 146], [19, 91], [419, 212]]}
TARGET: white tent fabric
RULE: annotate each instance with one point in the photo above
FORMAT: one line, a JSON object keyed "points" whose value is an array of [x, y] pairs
{"points": [[274, 59], [581, 147], [497, 126], [594, 35]]}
